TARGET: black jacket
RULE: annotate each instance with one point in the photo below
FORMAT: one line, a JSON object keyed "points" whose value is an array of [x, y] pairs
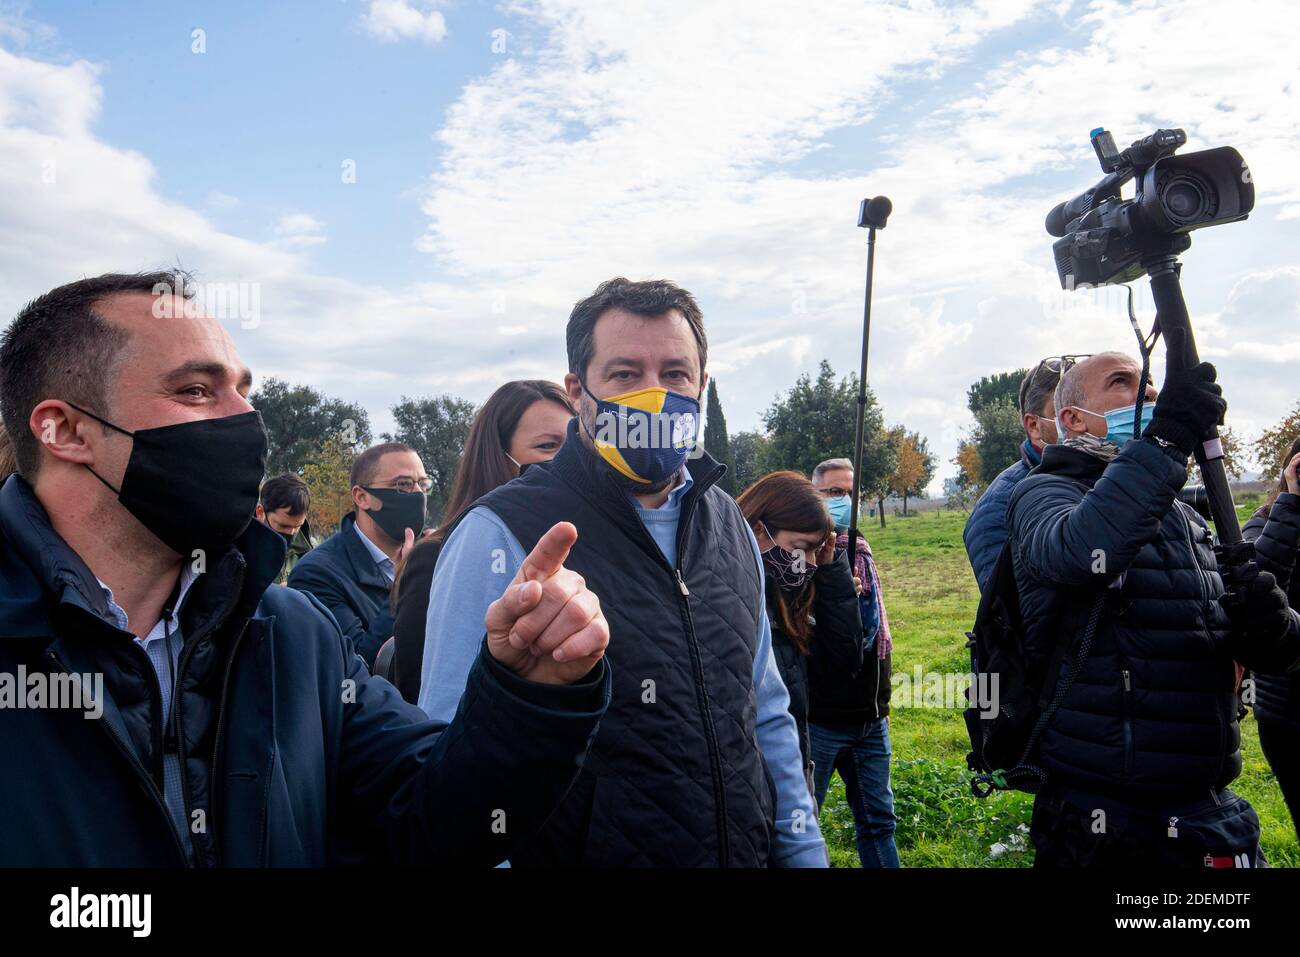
{"points": [[411, 617], [1153, 713], [1276, 534], [675, 777], [342, 574], [834, 648], [292, 753]]}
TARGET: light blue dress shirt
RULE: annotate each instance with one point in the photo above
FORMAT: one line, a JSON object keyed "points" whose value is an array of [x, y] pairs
{"points": [[383, 561]]}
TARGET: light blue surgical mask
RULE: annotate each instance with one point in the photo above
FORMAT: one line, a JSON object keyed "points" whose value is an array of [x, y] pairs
{"points": [[841, 509], [1119, 422]]}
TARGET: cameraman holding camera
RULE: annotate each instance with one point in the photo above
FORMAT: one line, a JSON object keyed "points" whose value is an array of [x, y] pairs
{"points": [[1145, 741]]}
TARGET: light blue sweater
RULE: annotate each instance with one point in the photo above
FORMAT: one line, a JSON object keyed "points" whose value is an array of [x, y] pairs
{"points": [[481, 558]]}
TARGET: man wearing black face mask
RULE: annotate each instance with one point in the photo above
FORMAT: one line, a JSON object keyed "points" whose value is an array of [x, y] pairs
{"points": [[191, 715], [282, 507], [351, 572]]}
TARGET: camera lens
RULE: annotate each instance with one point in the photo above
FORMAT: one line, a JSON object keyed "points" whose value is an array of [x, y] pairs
{"points": [[1184, 199]]}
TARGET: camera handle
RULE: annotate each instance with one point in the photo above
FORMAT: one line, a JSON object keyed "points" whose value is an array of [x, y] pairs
{"points": [[1180, 353]]}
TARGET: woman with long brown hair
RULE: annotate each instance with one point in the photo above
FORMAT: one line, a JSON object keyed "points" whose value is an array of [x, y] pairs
{"points": [[1275, 530], [812, 601], [524, 422]]}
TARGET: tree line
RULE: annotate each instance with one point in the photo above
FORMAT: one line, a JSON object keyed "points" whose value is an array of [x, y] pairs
{"points": [[994, 441], [317, 436]]}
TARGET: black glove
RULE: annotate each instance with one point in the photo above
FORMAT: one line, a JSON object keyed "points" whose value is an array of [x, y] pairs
{"points": [[1264, 635], [1188, 408]]}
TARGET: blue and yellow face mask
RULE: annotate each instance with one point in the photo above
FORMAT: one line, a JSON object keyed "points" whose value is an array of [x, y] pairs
{"points": [[645, 435]]}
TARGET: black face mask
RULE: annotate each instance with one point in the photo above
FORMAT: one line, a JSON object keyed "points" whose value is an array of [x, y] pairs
{"points": [[402, 510], [193, 484]]}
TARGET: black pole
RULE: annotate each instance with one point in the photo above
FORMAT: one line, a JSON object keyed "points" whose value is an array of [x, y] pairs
{"points": [[1180, 353], [860, 426]]}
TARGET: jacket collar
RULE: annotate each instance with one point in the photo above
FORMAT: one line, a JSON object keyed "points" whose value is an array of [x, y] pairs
{"points": [[45, 580], [364, 567], [1070, 463], [1029, 454]]}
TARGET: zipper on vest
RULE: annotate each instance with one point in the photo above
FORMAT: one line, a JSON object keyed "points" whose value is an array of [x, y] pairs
{"points": [[141, 772], [715, 760], [706, 712]]}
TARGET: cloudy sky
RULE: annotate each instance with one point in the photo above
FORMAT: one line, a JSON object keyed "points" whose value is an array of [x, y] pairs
{"points": [[417, 192]]}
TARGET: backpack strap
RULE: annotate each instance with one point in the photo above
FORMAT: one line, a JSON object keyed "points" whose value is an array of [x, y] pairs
{"points": [[983, 785]]}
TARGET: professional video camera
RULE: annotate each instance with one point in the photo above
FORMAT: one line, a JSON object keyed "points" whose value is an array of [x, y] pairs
{"points": [[1106, 239]]}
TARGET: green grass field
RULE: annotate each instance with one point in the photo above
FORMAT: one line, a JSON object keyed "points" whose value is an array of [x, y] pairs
{"points": [[931, 597]]}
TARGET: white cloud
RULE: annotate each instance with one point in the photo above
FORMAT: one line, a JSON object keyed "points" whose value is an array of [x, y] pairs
{"points": [[298, 230], [727, 146], [643, 145], [392, 20]]}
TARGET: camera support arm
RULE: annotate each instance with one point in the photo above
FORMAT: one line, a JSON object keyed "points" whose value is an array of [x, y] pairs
{"points": [[1180, 353]]}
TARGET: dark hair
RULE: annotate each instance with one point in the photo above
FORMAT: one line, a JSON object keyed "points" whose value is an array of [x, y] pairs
{"points": [[651, 298], [1280, 487], [59, 347], [1038, 386], [366, 464], [786, 501], [484, 465], [285, 491]]}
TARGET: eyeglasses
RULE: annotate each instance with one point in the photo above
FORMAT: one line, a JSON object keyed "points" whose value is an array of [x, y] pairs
{"points": [[405, 484], [833, 491], [1061, 364], [1056, 365]]}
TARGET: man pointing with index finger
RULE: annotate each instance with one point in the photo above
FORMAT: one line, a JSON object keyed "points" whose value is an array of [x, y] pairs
{"points": [[547, 627], [697, 761]]}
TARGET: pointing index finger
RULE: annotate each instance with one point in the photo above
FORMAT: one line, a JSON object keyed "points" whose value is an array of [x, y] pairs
{"points": [[550, 552]]}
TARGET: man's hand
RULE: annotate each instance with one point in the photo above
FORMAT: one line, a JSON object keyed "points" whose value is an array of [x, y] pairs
{"points": [[1264, 636], [548, 627], [1188, 407]]}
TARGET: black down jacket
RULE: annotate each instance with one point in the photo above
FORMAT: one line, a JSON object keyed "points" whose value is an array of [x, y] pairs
{"points": [[1153, 714], [291, 753]]}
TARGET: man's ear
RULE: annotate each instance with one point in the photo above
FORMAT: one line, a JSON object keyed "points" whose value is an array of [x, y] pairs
{"points": [[61, 429], [360, 498], [704, 385], [1072, 420], [259, 512], [573, 388], [1030, 423]]}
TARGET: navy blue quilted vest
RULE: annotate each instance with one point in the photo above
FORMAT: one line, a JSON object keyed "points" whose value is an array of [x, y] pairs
{"points": [[675, 777]]}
